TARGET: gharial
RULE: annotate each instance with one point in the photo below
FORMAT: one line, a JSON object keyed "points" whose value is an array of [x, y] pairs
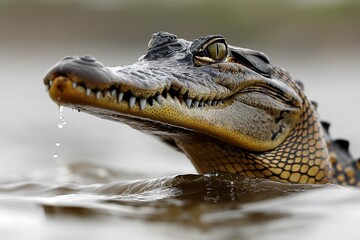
{"points": [[227, 108]]}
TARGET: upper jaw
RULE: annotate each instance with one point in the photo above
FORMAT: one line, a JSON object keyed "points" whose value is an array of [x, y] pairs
{"points": [[142, 80], [146, 81]]}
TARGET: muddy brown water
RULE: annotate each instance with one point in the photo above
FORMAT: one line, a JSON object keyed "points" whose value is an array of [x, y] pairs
{"points": [[112, 182]]}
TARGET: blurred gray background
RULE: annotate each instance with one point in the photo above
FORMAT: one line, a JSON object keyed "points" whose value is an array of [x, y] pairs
{"points": [[317, 41]]}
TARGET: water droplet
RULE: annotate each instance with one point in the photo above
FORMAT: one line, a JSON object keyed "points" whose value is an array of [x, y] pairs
{"points": [[60, 125], [61, 116]]}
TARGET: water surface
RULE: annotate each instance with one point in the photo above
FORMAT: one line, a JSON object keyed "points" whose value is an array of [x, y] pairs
{"points": [[213, 206]]}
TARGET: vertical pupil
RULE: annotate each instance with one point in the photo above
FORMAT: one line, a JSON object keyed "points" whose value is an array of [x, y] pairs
{"points": [[217, 50]]}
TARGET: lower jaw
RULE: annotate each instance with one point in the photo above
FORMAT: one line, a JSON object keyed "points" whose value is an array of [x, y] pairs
{"points": [[63, 92], [171, 116]]}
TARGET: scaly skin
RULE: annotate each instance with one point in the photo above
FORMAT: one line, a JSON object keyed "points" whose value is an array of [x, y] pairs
{"points": [[227, 108]]}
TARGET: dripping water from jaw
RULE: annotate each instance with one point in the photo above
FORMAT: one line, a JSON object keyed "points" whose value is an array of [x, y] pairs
{"points": [[62, 119], [60, 125], [55, 155], [63, 167]]}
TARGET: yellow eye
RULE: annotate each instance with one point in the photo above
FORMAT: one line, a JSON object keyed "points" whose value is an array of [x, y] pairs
{"points": [[209, 50], [216, 50]]}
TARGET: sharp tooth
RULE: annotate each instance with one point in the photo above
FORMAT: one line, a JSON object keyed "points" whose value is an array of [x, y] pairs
{"points": [[188, 102], [132, 101], [201, 104], [158, 98], [88, 92], [215, 103], [208, 102], [98, 94], [46, 88], [113, 93], [50, 83], [142, 103], [74, 84], [196, 103], [106, 93], [120, 96]]}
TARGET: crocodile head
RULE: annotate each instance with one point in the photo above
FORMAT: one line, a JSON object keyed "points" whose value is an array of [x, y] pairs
{"points": [[200, 96]]}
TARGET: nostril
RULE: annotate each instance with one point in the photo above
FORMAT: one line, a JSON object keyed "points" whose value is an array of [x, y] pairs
{"points": [[88, 58]]}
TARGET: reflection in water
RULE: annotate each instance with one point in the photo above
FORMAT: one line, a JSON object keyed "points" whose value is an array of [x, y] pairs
{"points": [[211, 204]]}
